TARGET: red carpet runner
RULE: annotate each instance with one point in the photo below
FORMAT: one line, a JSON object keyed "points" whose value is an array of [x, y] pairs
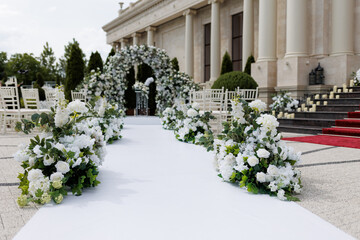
{"points": [[349, 142]]}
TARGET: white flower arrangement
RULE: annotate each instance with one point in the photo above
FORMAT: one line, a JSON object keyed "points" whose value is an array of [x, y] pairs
{"points": [[356, 77], [139, 86], [284, 102], [250, 153], [69, 151]]}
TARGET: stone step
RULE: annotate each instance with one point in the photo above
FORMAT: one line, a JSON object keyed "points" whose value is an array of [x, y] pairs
{"points": [[304, 122], [341, 101], [300, 129], [337, 108], [348, 95], [321, 115]]}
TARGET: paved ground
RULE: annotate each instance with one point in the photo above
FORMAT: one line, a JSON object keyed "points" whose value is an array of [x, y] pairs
{"points": [[329, 175]]}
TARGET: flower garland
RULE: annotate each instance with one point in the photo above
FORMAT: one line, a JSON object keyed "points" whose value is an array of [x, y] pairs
{"points": [[112, 83], [284, 102], [139, 86], [356, 77], [250, 153]]}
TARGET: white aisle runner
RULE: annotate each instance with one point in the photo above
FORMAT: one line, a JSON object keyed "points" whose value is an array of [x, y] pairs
{"points": [[156, 188]]}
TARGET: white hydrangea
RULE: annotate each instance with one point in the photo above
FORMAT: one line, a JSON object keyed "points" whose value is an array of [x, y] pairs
{"points": [[238, 111], [258, 105], [192, 112], [77, 106], [267, 122], [61, 117]]}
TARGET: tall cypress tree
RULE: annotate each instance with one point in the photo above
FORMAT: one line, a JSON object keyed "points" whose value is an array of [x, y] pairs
{"points": [[130, 96], [226, 65], [95, 62], [175, 64], [249, 61], [111, 53], [74, 71]]}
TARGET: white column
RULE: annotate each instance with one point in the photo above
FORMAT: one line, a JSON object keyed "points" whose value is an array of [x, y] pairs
{"points": [[150, 35], [189, 42], [135, 37], [342, 27], [123, 42], [248, 31], [215, 40], [296, 34], [267, 30]]}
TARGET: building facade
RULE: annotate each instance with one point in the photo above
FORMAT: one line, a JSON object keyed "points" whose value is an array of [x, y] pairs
{"points": [[288, 38]]}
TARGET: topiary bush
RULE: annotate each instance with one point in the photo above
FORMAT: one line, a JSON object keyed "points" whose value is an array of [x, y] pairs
{"points": [[232, 80], [249, 61], [226, 65]]}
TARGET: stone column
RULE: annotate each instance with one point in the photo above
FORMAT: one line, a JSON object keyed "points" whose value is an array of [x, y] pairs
{"points": [[296, 34], [248, 31], [123, 42], [116, 46], [342, 27], [215, 40], [150, 35], [189, 42], [267, 30], [135, 37]]}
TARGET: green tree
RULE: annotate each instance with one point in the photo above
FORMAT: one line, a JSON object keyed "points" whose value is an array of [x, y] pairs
{"points": [[64, 59], [175, 64], [249, 61], [3, 61], [24, 67], [111, 53], [95, 62], [226, 65], [74, 70], [48, 63]]}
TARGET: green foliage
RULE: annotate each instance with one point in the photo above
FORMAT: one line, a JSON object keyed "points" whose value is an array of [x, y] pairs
{"points": [[75, 70], [130, 96], [226, 65], [95, 62], [111, 53], [40, 79], [249, 61], [23, 62], [232, 80], [3, 61], [175, 64], [48, 63], [63, 61]]}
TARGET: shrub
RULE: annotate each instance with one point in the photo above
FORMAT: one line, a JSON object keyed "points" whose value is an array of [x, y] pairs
{"points": [[226, 65], [249, 61], [232, 80]]}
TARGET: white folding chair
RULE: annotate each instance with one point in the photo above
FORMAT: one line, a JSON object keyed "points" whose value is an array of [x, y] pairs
{"points": [[32, 101], [78, 96]]}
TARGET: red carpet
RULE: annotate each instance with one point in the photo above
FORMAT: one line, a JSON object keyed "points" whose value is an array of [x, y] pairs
{"points": [[348, 123], [353, 114], [328, 140], [342, 131]]}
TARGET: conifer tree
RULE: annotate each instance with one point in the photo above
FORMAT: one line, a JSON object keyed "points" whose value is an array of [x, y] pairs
{"points": [[249, 61], [95, 62], [175, 64], [74, 71], [226, 65]]}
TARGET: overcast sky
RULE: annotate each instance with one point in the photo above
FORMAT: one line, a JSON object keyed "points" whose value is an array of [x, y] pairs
{"points": [[25, 25]]}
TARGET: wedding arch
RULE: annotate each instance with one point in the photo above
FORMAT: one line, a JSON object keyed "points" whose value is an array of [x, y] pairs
{"points": [[170, 84]]}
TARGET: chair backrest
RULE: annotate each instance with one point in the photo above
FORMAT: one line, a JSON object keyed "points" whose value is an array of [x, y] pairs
{"points": [[248, 94], [31, 98], [50, 94], [209, 99], [78, 96], [9, 98]]}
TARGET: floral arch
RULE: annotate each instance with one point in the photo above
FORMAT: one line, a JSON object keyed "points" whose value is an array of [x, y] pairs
{"points": [[170, 84]]}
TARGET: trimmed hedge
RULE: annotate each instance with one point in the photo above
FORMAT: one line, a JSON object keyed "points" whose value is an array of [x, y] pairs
{"points": [[232, 80]]}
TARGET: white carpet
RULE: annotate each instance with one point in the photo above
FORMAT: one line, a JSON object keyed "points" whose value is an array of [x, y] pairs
{"points": [[154, 187]]}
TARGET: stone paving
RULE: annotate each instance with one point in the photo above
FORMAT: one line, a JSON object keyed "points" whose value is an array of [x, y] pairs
{"points": [[331, 190]]}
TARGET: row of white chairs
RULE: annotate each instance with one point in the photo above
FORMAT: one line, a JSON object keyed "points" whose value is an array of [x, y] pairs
{"points": [[218, 101]]}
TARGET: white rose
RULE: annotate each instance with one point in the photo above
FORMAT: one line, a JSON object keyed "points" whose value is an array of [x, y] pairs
{"points": [[35, 174], [281, 195], [48, 160], [272, 170], [62, 167], [262, 153], [252, 161], [261, 177], [58, 176], [192, 112], [195, 105]]}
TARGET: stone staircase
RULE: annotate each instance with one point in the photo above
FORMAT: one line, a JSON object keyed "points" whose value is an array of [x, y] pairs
{"points": [[325, 115]]}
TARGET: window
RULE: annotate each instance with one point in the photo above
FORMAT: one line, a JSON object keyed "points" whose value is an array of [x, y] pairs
{"points": [[207, 40], [237, 32]]}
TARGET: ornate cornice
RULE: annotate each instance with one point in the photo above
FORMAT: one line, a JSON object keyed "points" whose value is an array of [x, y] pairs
{"points": [[189, 12]]}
